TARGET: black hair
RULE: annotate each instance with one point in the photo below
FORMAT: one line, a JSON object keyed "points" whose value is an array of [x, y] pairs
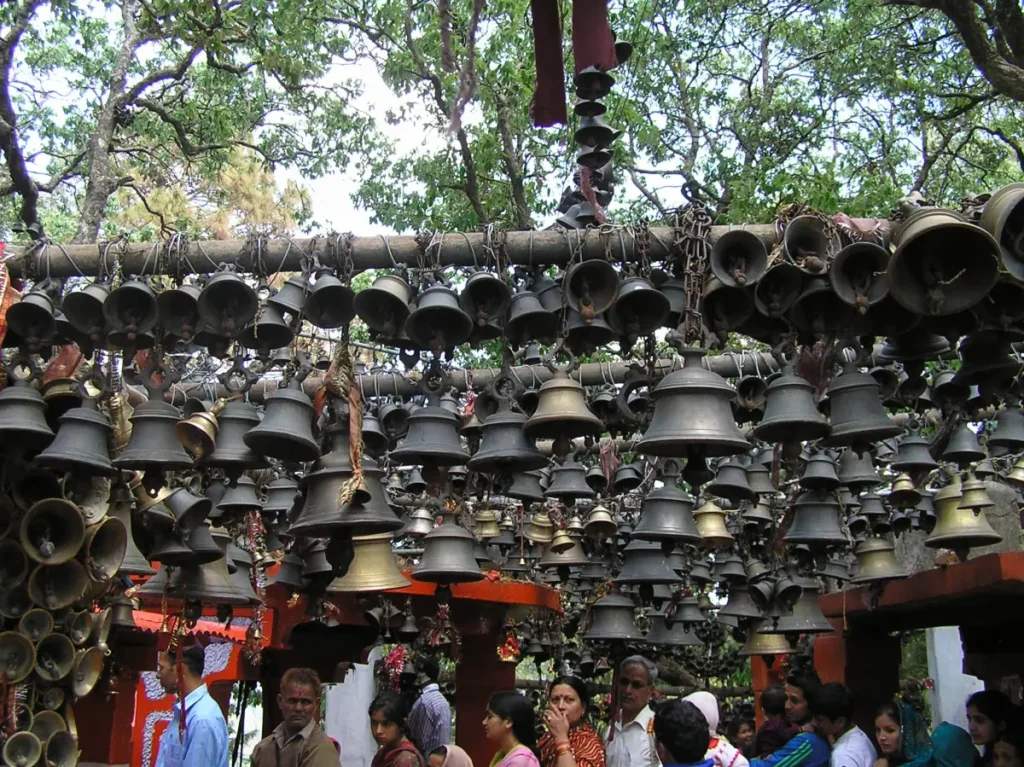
{"points": [[773, 700], [682, 730], [806, 682], [735, 724], [997, 707], [832, 701], [577, 684], [192, 658], [516, 708], [430, 668], [890, 710], [392, 705]]}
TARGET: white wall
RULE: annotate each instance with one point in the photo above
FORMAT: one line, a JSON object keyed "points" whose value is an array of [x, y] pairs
{"points": [[952, 686], [346, 718]]}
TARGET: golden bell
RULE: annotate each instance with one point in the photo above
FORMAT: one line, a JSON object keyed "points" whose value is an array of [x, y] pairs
{"points": [[35, 624], [562, 411], [373, 566], [198, 433], [46, 724], [103, 621], [57, 586], [540, 529], [61, 750], [81, 627], [710, 519], [55, 657], [600, 524], [764, 644], [22, 749], [17, 656], [876, 562], [485, 524], [52, 531], [86, 671], [975, 497], [903, 494], [561, 541], [957, 528]]}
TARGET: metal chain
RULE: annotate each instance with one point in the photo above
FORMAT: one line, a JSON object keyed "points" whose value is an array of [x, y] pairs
{"points": [[691, 241]]}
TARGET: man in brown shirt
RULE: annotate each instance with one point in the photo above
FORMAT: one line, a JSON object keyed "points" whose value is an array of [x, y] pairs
{"points": [[298, 741]]}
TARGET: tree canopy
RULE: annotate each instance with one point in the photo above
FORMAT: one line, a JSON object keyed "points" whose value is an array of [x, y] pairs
{"points": [[108, 109]]}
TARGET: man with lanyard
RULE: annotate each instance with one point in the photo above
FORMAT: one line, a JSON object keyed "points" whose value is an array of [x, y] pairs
{"points": [[197, 735], [298, 741], [630, 738]]}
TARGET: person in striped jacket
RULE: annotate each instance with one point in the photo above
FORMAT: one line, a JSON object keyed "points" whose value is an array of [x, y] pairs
{"points": [[807, 748]]}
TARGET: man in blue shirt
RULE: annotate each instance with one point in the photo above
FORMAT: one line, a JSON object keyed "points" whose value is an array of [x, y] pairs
{"points": [[807, 748], [681, 735], [204, 742]]}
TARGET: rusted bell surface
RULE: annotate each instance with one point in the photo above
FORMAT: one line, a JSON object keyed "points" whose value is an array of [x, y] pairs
{"points": [[504, 448], [81, 442], [230, 451], [692, 410], [438, 322], [22, 418], [591, 287], [790, 413], [330, 303], [448, 556], [384, 306], [569, 482], [876, 562], [639, 309], [816, 521], [286, 431], [739, 258], [856, 412], [432, 439], [153, 446], [612, 619]]}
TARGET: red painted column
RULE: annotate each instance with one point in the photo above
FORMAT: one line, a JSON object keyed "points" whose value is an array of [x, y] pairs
{"points": [[104, 721], [477, 676], [867, 664], [762, 676]]}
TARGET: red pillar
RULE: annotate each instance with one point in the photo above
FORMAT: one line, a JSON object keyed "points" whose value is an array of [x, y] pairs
{"points": [[868, 665], [104, 722], [762, 676], [477, 676]]}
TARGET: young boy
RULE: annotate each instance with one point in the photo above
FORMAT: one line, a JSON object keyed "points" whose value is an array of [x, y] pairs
{"points": [[776, 731]]}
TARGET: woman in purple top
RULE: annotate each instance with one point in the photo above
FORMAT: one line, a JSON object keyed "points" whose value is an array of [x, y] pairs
{"points": [[509, 724]]}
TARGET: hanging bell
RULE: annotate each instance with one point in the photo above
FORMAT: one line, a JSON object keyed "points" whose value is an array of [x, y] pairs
{"points": [[627, 477], [292, 296], [485, 298], [432, 439], [267, 332], [84, 310], [286, 431], [153, 447], [819, 473], [806, 244], [778, 289], [767, 645], [876, 562], [526, 487], [856, 411], [612, 619], [569, 482], [859, 275], [817, 312], [710, 521], [593, 84], [52, 531], [330, 303], [384, 306], [22, 417], [857, 472], [913, 456], [591, 287], [17, 654], [562, 412], [963, 448], [81, 442], [32, 317], [564, 552], [666, 516], [806, 616], [227, 303], [680, 634], [692, 411], [241, 578], [22, 749], [448, 556], [738, 258], [540, 529], [528, 320], [485, 524], [723, 308], [504, 448], [816, 522], [15, 602], [210, 582], [595, 477], [131, 309], [583, 338], [975, 496], [438, 322], [759, 478], [58, 586], [280, 496], [644, 564], [230, 452], [731, 482], [35, 624], [414, 482], [942, 263], [903, 494], [1002, 218], [104, 548], [740, 605], [1009, 431], [178, 309], [639, 309], [600, 524], [373, 567]]}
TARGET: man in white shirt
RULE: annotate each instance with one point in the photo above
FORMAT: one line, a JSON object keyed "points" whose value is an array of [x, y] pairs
{"points": [[630, 738], [832, 711]]}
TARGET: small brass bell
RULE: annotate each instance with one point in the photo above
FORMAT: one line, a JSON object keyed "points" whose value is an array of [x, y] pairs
{"points": [[600, 525], [710, 520], [448, 556], [975, 497], [35, 624], [1016, 475], [52, 531], [421, 522], [485, 524], [759, 643], [17, 655], [104, 548], [903, 494], [384, 306], [58, 586], [22, 749], [540, 529], [562, 412], [286, 431], [86, 671], [876, 562]]}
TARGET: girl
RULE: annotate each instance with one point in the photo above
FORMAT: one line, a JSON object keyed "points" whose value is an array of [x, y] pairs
{"points": [[988, 713], [509, 724], [720, 750], [903, 740], [388, 715], [570, 741]]}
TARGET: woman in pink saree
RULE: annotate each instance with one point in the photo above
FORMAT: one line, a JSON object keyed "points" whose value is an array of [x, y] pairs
{"points": [[509, 724]]}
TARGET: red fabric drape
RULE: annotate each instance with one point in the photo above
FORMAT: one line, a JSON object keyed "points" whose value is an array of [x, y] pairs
{"points": [[549, 98], [593, 44]]}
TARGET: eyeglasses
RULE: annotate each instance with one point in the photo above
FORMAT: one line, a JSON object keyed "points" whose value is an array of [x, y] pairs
{"points": [[635, 684]]}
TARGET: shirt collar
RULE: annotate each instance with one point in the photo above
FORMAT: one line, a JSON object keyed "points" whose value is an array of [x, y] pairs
{"points": [[642, 719], [432, 687], [281, 736], [192, 698]]}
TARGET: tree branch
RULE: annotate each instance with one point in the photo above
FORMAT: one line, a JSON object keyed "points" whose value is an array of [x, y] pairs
{"points": [[513, 166]]}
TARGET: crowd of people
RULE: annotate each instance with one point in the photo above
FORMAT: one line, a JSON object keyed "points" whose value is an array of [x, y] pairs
{"points": [[806, 724]]}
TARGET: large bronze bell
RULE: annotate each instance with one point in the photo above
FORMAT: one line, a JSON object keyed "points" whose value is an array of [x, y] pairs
{"points": [[330, 303], [448, 556], [738, 258], [438, 322], [286, 431], [373, 567], [432, 439], [876, 562], [52, 531], [104, 548], [806, 616], [816, 521], [612, 619], [1003, 218], [806, 245], [562, 412], [367, 513], [131, 309], [942, 264], [692, 411], [710, 521], [957, 527], [81, 442], [858, 275], [731, 481], [230, 451], [778, 289], [639, 309], [227, 303], [17, 656], [644, 563], [58, 586], [667, 516], [22, 418], [504, 448], [528, 320], [591, 287], [725, 308], [384, 306], [857, 415], [153, 446], [569, 482]]}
